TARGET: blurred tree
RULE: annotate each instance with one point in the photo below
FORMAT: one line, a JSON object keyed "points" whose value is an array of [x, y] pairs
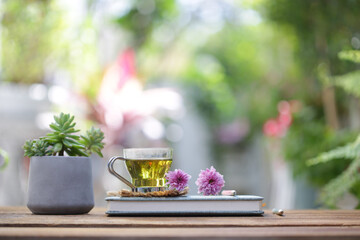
{"points": [[144, 17], [233, 64], [348, 179], [39, 38], [255, 75], [322, 28], [30, 38]]}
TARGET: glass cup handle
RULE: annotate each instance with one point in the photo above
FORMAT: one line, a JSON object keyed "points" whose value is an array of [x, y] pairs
{"points": [[113, 172]]}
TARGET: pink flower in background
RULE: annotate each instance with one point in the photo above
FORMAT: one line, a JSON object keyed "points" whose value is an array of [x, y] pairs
{"points": [[177, 179], [272, 128], [279, 126], [210, 182]]}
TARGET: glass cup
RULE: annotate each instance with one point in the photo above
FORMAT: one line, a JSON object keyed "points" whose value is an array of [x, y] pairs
{"points": [[146, 166]]}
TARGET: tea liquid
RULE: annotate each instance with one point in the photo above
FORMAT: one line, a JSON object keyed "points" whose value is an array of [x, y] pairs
{"points": [[148, 172]]}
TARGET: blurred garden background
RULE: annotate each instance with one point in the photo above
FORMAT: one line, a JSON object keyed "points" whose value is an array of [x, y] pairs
{"points": [[266, 91]]}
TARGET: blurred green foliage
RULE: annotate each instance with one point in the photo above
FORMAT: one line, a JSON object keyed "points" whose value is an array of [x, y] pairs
{"points": [[144, 16], [38, 39], [346, 158], [252, 75], [309, 136], [323, 28], [30, 38], [229, 74]]}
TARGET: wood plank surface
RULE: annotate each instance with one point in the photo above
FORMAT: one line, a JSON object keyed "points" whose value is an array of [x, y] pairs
{"points": [[177, 233], [20, 223], [22, 217]]}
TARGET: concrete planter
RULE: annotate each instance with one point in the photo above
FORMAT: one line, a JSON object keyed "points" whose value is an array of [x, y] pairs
{"points": [[60, 185]]}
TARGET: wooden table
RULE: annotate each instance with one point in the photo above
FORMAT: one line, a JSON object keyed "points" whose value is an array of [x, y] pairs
{"points": [[20, 223]]}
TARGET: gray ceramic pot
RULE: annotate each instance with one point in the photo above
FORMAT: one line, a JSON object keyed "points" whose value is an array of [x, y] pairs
{"points": [[60, 185]]}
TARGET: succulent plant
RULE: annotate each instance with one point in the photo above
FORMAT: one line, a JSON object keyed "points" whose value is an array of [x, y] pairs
{"points": [[37, 147], [93, 141], [63, 140]]}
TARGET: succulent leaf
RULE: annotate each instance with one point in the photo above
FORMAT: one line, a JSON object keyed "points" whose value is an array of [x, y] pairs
{"points": [[28, 148], [57, 147]]}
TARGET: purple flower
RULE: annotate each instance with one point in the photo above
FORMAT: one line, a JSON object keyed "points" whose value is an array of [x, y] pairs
{"points": [[210, 182], [177, 179]]}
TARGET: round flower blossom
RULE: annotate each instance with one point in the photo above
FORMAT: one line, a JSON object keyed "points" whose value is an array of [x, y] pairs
{"points": [[177, 179], [210, 182]]}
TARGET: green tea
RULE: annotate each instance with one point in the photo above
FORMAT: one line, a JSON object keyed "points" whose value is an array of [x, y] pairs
{"points": [[148, 172]]}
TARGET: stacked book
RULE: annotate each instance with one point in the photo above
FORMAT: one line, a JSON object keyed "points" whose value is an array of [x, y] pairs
{"points": [[185, 205]]}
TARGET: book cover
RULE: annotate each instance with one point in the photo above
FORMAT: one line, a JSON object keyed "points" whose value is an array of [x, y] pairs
{"points": [[185, 205]]}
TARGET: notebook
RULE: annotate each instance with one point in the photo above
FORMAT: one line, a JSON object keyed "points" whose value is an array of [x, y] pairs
{"points": [[185, 205]]}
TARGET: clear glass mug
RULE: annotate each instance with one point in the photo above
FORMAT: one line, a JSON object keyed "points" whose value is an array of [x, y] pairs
{"points": [[146, 166]]}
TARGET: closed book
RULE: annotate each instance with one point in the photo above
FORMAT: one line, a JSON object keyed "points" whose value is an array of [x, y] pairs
{"points": [[185, 205]]}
